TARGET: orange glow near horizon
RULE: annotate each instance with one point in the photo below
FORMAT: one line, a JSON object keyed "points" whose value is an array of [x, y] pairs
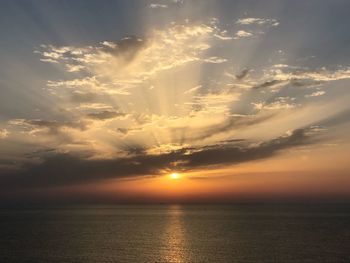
{"points": [[276, 178], [211, 185]]}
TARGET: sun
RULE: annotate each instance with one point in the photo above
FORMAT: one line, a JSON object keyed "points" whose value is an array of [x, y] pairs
{"points": [[175, 176]]}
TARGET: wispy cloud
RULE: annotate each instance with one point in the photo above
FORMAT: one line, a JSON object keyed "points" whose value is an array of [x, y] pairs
{"points": [[257, 21], [316, 93], [278, 104], [158, 6], [3, 133], [104, 115], [242, 34]]}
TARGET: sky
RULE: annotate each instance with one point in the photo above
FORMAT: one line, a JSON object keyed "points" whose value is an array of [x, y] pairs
{"points": [[174, 100]]}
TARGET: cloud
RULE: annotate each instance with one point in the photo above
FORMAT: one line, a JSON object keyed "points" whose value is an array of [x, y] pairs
{"points": [[281, 103], [215, 60], [231, 154], [81, 85], [118, 67], [192, 90], [66, 169], [163, 4], [242, 34], [223, 36], [4, 133], [94, 106], [104, 115], [257, 21], [179, 44], [52, 127], [215, 102], [74, 68], [255, 26], [82, 58], [267, 84], [281, 75], [322, 75], [242, 74], [316, 94], [228, 124], [158, 6]]}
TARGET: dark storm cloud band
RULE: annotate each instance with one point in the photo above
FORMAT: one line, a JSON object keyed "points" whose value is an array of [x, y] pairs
{"points": [[65, 169]]}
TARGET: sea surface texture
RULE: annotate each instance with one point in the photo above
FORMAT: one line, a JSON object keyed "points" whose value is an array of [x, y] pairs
{"points": [[176, 233]]}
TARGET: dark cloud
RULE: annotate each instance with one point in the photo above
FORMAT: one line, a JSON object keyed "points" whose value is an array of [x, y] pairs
{"points": [[132, 148], [267, 84], [123, 130], [104, 115], [232, 154], [65, 169], [126, 131], [127, 47], [232, 122], [297, 83], [303, 83], [242, 74]]}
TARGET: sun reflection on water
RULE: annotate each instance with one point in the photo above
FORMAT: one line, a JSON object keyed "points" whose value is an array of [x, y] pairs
{"points": [[175, 242]]}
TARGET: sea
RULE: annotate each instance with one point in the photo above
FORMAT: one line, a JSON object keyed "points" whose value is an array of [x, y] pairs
{"points": [[176, 233]]}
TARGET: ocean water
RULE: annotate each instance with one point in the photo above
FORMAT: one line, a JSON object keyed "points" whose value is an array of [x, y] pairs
{"points": [[176, 233]]}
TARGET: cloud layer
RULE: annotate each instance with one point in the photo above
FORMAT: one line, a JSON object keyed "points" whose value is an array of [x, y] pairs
{"points": [[66, 169], [183, 96]]}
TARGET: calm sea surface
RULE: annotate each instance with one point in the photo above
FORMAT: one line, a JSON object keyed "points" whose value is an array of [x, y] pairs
{"points": [[176, 233]]}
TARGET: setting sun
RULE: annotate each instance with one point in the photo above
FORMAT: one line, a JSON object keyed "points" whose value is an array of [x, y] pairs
{"points": [[175, 176]]}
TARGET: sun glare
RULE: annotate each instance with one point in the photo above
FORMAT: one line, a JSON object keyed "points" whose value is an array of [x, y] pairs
{"points": [[175, 176]]}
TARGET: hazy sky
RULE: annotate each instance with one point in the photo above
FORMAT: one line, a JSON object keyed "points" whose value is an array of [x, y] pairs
{"points": [[102, 100]]}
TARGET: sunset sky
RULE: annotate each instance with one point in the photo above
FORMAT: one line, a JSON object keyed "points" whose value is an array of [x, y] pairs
{"points": [[174, 100]]}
